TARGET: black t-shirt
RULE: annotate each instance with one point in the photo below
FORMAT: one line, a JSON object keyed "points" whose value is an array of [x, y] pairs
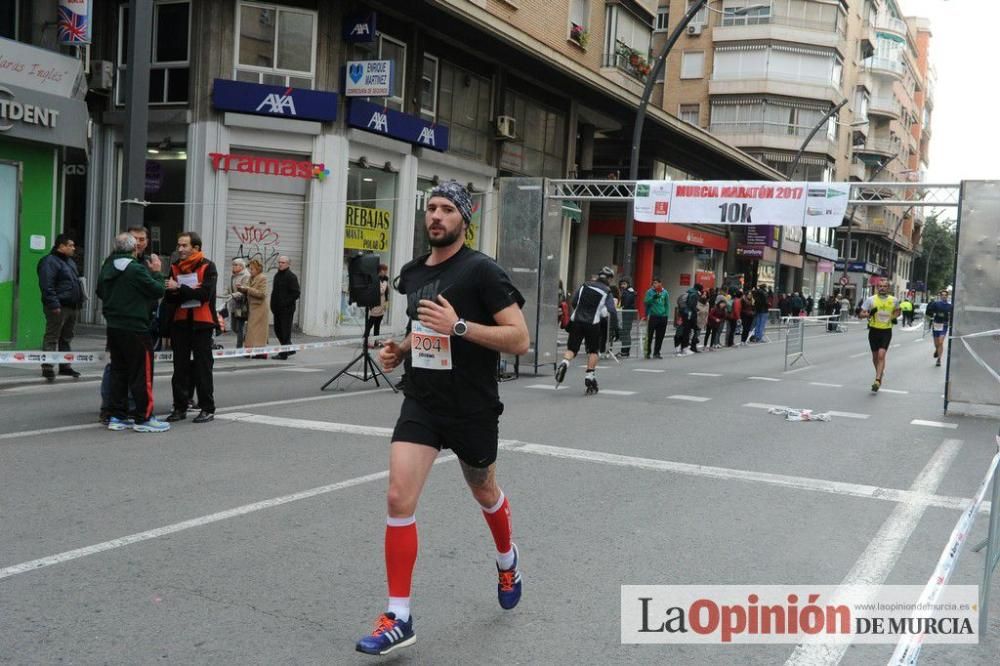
{"points": [[477, 288]]}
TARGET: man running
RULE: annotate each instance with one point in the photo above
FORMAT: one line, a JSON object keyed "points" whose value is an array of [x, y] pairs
{"points": [[881, 311], [463, 310], [592, 301], [939, 313]]}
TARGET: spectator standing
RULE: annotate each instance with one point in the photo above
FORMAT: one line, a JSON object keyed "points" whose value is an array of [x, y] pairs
{"points": [[906, 307], [760, 306], [237, 303], [689, 337], [256, 292], [628, 314], [128, 290], [284, 294], [701, 321], [375, 314], [746, 316], [733, 317], [191, 291], [657, 302], [62, 295], [716, 317]]}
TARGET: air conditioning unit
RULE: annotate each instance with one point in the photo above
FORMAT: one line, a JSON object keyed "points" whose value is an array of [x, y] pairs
{"points": [[695, 29], [506, 127], [102, 75]]}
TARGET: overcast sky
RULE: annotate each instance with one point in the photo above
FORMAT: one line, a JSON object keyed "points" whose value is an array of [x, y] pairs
{"points": [[965, 32]]}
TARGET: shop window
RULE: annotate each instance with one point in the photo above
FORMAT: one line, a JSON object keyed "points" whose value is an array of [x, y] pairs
{"points": [[540, 148], [429, 88], [169, 69], [464, 104], [275, 45], [370, 224]]}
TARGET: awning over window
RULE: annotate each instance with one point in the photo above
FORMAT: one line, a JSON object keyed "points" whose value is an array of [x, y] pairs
{"points": [[571, 210]]}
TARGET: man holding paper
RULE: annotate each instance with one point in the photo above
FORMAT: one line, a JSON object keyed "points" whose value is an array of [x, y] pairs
{"points": [[191, 290]]}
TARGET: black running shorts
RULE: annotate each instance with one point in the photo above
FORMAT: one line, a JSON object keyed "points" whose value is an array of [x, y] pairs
{"points": [[589, 334], [472, 438], [879, 338]]}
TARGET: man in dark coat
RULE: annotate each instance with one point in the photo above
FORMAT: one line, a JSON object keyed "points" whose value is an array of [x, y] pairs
{"points": [[284, 293], [62, 296]]}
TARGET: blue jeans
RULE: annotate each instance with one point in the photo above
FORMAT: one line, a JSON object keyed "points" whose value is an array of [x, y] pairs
{"points": [[759, 322]]}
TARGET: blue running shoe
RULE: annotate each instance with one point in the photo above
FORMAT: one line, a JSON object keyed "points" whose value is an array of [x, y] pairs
{"points": [[120, 424], [389, 634], [509, 584], [152, 425]]}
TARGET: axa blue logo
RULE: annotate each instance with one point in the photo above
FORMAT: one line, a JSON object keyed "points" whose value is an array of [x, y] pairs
{"points": [[278, 104], [356, 71]]}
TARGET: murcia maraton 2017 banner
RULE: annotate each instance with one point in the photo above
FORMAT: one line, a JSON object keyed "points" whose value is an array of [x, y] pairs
{"points": [[741, 202]]}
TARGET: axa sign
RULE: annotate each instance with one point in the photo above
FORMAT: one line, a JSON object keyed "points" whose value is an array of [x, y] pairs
{"points": [[360, 28], [403, 126], [275, 101]]}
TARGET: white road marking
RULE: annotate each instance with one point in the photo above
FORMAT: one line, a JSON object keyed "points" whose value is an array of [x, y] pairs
{"points": [[803, 368], [302, 370], [919, 340], [825, 384], [646, 370], [860, 355], [765, 379], [705, 374], [885, 390], [849, 415], [50, 431], [933, 424], [614, 392], [43, 562], [897, 345], [689, 398], [596, 367], [306, 424], [880, 556], [761, 405], [545, 387]]}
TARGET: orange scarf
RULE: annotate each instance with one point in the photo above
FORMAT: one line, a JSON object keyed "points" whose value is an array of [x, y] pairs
{"points": [[191, 263]]}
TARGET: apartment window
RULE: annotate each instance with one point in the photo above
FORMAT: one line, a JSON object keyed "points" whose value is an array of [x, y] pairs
{"points": [[541, 146], [745, 12], [778, 62], [275, 45], [579, 21], [700, 18], [809, 14], [662, 18], [861, 99], [464, 103], [428, 87], [854, 248], [692, 64], [627, 42], [689, 113], [169, 67]]}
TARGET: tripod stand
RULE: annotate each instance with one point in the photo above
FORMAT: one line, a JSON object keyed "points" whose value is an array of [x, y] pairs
{"points": [[369, 370]]}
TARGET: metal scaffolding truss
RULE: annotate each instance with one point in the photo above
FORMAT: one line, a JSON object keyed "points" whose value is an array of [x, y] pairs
{"points": [[862, 194]]}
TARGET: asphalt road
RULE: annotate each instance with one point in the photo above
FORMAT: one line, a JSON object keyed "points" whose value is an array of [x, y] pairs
{"points": [[257, 539]]}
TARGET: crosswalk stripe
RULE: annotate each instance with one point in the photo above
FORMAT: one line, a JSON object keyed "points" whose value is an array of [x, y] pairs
{"points": [[765, 379], [934, 424], [705, 374], [646, 370], [689, 398], [825, 384]]}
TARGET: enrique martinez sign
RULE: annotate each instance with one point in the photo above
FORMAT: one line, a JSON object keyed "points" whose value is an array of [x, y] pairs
{"points": [[741, 203], [389, 122], [268, 166], [275, 101]]}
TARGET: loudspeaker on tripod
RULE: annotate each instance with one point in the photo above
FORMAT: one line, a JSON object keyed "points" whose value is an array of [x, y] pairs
{"points": [[362, 280]]}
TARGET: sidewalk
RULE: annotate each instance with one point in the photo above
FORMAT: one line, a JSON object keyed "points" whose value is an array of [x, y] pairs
{"points": [[92, 338]]}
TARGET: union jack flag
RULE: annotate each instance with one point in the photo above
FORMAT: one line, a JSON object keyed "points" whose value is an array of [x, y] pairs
{"points": [[73, 28]]}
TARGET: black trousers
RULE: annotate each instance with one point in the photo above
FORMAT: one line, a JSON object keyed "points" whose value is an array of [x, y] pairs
{"points": [[656, 328], [283, 325], [193, 363], [373, 323], [131, 372], [626, 336]]}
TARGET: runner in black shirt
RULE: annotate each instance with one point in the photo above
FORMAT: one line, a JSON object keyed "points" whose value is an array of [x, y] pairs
{"points": [[463, 310]]}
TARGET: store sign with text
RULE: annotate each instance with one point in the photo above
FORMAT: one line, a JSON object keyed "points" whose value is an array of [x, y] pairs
{"points": [[389, 122], [368, 78], [41, 70], [750, 251], [741, 203], [367, 228], [268, 166], [275, 101]]}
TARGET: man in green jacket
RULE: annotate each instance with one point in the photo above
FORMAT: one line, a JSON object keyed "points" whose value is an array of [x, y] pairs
{"points": [[657, 302], [127, 288]]}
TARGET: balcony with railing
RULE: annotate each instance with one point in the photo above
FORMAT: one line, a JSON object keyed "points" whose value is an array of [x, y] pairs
{"points": [[886, 105], [892, 25], [883, 147], [882, 66], [773, 136], [629, 61], [857, 169], [831, 34], [774, 83]]}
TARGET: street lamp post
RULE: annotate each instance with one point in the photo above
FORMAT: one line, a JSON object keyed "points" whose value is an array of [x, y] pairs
{"points": [[640, 118], [791, 174], [140, 29]]}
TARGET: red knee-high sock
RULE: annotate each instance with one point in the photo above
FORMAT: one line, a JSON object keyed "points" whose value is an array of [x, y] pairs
{"points": [[400, 554], [498, 518]]}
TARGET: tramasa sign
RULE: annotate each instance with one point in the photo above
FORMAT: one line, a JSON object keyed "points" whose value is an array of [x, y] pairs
{"points": [[269, 166]]}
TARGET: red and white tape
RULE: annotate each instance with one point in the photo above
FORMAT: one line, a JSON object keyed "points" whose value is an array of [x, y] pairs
{"points": [[88, 357], [908, 649]]}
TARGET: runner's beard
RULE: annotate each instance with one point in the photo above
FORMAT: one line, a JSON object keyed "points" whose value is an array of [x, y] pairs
{"points": [[447, 239]]}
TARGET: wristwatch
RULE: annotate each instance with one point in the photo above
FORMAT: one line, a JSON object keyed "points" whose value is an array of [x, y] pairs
{"points": [[460, 328]]}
